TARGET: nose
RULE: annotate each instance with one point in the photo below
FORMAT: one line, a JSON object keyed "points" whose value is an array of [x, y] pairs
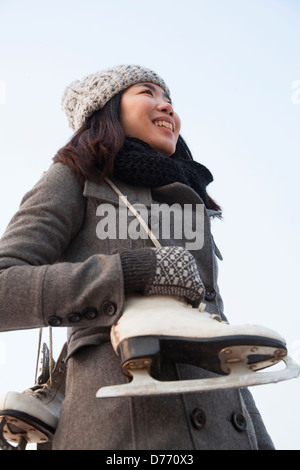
{"points": [[166, 107]]}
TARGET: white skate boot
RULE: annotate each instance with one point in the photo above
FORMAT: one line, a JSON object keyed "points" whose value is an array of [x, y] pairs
{"points": [[167, 327], [32, 416]]}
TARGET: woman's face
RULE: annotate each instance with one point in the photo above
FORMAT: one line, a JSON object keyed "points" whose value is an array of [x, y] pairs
{"points": [[147, 114]]}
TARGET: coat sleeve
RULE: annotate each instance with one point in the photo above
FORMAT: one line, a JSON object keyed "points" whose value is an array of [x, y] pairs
{"points": [[35, 289]]}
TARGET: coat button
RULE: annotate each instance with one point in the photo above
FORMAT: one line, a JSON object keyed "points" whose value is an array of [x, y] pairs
{"points": [[74, 317], [90, 313], [108, 308], [54, 321], [239, 422], [198, 418], [210, 293]]}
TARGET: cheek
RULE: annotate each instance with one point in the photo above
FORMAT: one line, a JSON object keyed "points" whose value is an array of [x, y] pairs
{"points": [[177, 124], [132, 118], [127, 122], [132, 126]]}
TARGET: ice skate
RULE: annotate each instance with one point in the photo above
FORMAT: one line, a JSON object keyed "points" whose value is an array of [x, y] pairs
{"points": [[32, 416], [165, 327]]}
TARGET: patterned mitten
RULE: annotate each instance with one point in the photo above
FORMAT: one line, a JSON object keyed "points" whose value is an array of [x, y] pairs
{"points": [[162, 271]]}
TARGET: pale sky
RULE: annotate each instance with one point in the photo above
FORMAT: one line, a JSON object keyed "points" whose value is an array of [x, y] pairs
{"points": [[233, 67]]}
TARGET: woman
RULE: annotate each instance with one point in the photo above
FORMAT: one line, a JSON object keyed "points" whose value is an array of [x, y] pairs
{"points": [[66, 261]]}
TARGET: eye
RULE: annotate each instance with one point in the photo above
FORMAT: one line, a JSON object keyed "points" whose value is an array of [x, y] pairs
{"points": [[149, 92]]}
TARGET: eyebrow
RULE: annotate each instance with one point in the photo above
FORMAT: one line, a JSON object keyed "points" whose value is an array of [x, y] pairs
{"points": [[152, 87]]}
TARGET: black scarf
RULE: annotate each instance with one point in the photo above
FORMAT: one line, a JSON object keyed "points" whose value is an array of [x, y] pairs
{"points": [[138, 164]]}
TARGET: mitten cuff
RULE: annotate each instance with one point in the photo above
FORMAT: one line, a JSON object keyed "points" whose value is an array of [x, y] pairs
{"points": [[138, 268]]}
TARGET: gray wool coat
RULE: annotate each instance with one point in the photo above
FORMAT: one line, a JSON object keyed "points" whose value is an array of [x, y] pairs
{"points": [[55, 270]]}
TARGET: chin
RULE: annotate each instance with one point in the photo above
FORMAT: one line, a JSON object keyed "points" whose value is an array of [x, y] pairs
{"points": [[166, 149], [165, 152]]}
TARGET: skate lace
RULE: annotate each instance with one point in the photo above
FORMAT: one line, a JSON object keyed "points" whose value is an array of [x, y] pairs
{"points": [[39, 391], [50, 356]]}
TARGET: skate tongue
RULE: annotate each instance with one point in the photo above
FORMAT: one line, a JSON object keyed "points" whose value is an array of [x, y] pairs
{"points": [[143, 384]]}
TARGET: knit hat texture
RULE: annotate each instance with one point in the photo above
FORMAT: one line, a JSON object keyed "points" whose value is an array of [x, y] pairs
{"points": [[83, 97]]}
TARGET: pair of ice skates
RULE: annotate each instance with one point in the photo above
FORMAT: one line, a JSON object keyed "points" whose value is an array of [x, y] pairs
{"points": [[152, 329]]}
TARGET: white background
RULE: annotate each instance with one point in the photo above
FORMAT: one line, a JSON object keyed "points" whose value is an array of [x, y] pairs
{"points": [[233, 70]]}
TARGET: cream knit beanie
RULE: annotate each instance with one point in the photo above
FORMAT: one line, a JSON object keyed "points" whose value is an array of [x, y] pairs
{"points": [[83, 97]]}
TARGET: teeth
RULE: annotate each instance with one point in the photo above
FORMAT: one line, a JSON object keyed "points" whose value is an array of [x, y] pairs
{"points": [[166, 124]]}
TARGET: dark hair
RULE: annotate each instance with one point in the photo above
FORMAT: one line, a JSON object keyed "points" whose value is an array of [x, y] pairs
{"points": [[91, 150]]}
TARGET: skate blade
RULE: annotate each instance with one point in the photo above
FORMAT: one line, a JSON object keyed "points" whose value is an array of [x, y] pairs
{"points": [[143, 384], [15, 430]]}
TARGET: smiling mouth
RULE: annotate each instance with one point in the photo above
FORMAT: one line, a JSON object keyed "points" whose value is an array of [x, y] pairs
{"points": [[165, 124]]}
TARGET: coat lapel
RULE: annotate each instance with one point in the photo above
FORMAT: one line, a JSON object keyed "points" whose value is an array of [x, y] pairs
{"points": [[103, 192]]}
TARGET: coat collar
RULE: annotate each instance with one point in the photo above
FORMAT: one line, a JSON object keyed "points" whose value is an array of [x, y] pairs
{"points": [[169, 194], [105, 193]]}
